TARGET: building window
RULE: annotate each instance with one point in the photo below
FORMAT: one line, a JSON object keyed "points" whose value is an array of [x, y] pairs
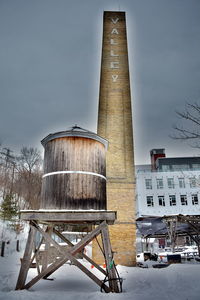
{"points": [[148, 184], [181, 182], [165, 168], [195, 199], [172, 200], [159, 182], [170, 182], [184, 200], [196, 166], [150, 201], [161, 200], [180, 167], [192, 182]]}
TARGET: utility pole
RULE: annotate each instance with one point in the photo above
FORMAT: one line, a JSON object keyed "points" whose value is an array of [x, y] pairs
{"points": [[9, 159]]}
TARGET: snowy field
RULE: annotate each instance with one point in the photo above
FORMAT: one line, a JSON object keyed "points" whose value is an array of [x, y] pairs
{"points": [[180, 281]]}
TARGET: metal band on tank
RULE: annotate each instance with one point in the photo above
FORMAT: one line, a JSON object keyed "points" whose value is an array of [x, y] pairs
{"points": [[74, 172]]}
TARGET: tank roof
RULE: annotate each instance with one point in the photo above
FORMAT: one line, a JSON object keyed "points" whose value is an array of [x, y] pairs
{"points": [[77, 132]]}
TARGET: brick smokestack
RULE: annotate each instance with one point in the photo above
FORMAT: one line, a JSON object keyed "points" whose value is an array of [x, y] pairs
{"points": [[115, 125]]}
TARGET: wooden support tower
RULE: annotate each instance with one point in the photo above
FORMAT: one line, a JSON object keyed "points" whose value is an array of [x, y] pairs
{"points": [[47, 222]]}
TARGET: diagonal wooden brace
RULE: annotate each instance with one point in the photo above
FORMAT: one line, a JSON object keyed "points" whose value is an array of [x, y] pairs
{"points": [[83, 254], [68, 255]]}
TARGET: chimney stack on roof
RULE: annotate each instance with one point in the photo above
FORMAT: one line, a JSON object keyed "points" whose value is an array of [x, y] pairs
{"points": [[155, 154]]}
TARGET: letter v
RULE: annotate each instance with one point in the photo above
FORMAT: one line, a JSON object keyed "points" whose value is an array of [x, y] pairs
{"points": [[114, 78], [115, 20]]}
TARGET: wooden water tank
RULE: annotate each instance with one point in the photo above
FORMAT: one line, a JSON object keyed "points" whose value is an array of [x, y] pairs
{"points": [[74, 171]]}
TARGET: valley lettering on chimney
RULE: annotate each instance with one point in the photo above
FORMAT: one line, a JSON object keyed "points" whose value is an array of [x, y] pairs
{"points": [[115, 125]]}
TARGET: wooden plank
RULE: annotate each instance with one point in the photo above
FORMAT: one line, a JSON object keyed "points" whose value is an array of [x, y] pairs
{"points": [[79, 246], [47, 247], [62, 237], [83, 254], [36, 251], [194, 227], [49, 239], [197, 241], [80, 255], [70, 216], [109, 260], [54, 266], [86, 240], [59, 263], [36, 255], [88, 273], [26, 259], [92, 262], [37, 263]]}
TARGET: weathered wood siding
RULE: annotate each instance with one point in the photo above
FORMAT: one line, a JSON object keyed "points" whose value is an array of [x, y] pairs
{"points": [[74, 191]]}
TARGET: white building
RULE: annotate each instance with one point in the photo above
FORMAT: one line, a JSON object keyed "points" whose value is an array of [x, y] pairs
{"points": [[168, 186]]}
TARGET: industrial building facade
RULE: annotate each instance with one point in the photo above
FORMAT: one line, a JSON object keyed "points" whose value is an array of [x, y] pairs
{"points": [[169, 186]]}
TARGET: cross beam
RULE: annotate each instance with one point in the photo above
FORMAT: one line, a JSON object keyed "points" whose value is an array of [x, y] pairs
{"points": [[70, 252]]}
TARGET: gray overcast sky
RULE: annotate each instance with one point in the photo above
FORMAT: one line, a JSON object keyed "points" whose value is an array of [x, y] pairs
{"points": [[50, 59]]}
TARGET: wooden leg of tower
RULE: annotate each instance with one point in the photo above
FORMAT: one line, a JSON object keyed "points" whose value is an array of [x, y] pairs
{"points": [[46, 252], [112, 276], [26, 261]]}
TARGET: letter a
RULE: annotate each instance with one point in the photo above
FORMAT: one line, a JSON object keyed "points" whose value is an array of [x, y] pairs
{"points": [[114, 31]]}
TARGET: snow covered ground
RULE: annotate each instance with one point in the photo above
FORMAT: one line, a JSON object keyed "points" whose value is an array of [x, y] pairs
{"points": [[178, 281]]}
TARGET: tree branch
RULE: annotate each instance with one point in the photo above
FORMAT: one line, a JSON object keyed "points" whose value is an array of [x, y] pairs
{"points": [[192, 131]]}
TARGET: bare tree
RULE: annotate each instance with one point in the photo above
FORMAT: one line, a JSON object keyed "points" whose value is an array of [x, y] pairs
{"points": [[28, 188], [29, 159], [21, 177], [190, 131], [28, 182]]}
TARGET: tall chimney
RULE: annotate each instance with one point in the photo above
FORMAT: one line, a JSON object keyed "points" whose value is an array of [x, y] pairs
{"points": [[115, 125]]}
